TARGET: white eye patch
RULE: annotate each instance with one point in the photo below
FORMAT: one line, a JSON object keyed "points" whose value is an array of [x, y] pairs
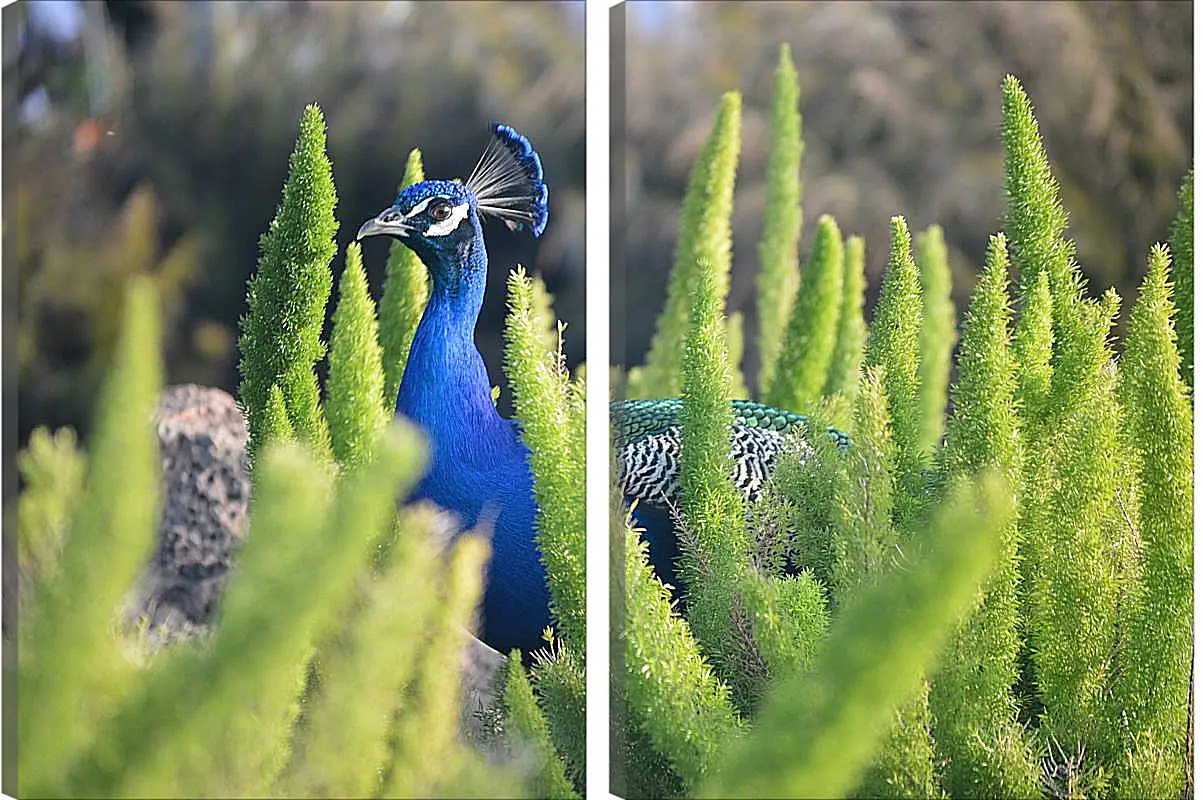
{"points": [[458, 214], [420, 207]]}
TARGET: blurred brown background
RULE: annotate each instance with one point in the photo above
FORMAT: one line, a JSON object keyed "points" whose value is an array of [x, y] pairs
{"points": [[154, 137], [900, 114]]}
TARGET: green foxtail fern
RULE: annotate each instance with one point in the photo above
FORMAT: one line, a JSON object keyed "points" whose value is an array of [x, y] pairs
{"points": [[551, 407], [69, 624], [705, 236], [1009, 608], [778, 279], [670, 687], [1154, 682], [1070, 523], [276, 426], [1070, 531], [1034, 220], [864, 540], [852, 333], [745, 622], [894, 346], [801, 369], [233, 740], [867, 544], [544, 320], [365, 665], [735, 355], [788, 616], [879, 647], [356, 380], [528, 728], [937, 336], [559, 681], [975, 724], [53, 470], [286, 297], [1034, 351], [426, 722], [716, 548], [406, 289]]}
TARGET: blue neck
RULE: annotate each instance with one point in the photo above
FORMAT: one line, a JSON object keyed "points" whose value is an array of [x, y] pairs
{"points": [[446, 388]]}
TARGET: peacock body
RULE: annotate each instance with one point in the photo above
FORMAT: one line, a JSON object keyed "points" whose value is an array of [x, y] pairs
{"points": [[648, 441], [479, 466]]}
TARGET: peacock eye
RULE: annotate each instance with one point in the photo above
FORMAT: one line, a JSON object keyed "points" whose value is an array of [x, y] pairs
{"points": [[440, 210]]}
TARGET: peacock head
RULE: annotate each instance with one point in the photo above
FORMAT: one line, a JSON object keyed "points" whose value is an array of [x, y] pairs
{"points": [[439, 219]]}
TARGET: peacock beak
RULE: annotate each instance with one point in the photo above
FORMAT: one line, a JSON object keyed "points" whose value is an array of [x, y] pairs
{"points": [[389, 222]]}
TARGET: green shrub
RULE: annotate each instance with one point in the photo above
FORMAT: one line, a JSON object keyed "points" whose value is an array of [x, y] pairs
{"points": [[991, 604]]}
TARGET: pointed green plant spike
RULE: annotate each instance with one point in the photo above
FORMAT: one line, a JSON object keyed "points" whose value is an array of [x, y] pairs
{"points": [[735, 354], [527, 729], [1182, 247], [276, 427], [864, 539], [975, 727], [365, 664], [849, 352], [1034, 220], [71, 671], [778, 279], [1072, 531], [53, 471], [818, 730], [937, 336], [356, 379], [425, 735], [865, 545], [551, 410], [1154, 683], [1034, 353], [406, 290], [904, 766], [894, 346], [552, 417], [789, 621], [703, 242], [715, 546], [286, 297], [810, 337], [669, 685], [544, 315], [560, 684], [808, 488], [985, 426]]}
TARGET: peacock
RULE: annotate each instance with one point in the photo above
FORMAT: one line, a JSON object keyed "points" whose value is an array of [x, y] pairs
{"points": [[479, 466], [648, 443]]}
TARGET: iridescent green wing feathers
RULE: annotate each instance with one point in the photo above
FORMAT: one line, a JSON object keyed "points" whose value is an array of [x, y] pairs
{"points": [[636, 419]]}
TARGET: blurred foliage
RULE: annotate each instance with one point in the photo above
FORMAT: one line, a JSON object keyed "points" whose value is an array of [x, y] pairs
{"points": [[901, 118], [166, 157]]}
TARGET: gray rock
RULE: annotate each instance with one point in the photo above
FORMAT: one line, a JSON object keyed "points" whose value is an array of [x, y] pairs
{"points": [[206, 491]]}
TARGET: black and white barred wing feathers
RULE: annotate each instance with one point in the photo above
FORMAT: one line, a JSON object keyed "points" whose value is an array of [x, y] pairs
{"points": [[649, 446]]}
